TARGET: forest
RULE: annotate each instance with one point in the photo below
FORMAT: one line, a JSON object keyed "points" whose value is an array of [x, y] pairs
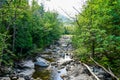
{"points": [[97, 33], [26, 30]]}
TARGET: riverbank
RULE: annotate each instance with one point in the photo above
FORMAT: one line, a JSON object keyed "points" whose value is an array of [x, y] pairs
{"points": [[57, 63]]}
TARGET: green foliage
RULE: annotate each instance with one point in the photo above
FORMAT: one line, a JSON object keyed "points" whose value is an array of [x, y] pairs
{"points": [[46, 27], [23, 39], [29, 29], [68, 29], [98, 31], [81, 53], [5, 54]]}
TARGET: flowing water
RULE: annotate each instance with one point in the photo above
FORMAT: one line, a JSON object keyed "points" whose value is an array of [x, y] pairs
{"points": [[62, 66], [60, 56]]}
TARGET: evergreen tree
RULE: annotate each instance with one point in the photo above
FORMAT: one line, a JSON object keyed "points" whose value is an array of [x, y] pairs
{"points": [[98, 32]]}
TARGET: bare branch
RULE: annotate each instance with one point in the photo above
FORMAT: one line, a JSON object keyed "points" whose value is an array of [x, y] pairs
{"points": [[77, 22], [67, 14], [76, 10]]}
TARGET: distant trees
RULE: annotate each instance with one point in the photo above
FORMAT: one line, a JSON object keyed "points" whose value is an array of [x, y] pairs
{"points": [[98, 32], [25, 28], [68, 29]]}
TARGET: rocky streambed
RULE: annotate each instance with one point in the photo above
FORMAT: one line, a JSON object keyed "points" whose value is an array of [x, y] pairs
{"points": [[56, 63]]}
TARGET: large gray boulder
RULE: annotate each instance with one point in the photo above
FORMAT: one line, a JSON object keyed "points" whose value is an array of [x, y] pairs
{"points": [[27, 72], [41, 62], [28, 64], [4, 78]]}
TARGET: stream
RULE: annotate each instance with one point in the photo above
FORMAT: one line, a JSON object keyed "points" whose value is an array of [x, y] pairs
{"points": [[56, 63], [61, 55], [64, 67]]}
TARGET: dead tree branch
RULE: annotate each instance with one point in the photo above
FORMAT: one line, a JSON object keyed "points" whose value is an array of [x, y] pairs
{"points": [[112, 75]]}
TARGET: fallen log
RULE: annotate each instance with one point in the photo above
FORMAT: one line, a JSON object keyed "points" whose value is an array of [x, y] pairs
{"points": [[91, 71], [109, 72]]}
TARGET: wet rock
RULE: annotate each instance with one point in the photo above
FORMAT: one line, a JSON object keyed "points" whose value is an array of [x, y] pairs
{"points": [[63, 76], [32, 79], [5, 70], [85, 71], [14, 76], [68, 68], [18, 70], [27, 77], [41, 62], [38, 79], [21, 79], [53, 63], [27, 64], [47, 51], [27, 72], [58, 48], [45, 56], [64, 45], [59, 71], [81, 77], [62, 55], [101, 76], [5, 78], [65, 62]]}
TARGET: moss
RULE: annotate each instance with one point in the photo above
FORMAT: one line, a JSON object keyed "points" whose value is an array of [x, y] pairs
{"points": [[50, 59], [41, 73]]}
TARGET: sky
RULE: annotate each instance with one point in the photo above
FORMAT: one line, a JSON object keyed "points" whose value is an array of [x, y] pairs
{"points": [[63, 6]]}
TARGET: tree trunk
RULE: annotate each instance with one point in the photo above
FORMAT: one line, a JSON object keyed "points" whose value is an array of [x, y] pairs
{"points": [[93, 48], [14, 33]]}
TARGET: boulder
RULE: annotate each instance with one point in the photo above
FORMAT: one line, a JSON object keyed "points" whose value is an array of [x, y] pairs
{"points": [[21, 79], [14, 76], [45, 56], [41, 62], [4, 78], [64, 45], [5, 69], [27, 72], [53, 63], [27, 64]]}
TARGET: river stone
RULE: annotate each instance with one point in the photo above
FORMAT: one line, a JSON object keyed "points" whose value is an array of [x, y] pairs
{"points": [[64, 45], [41, 62], [45, 56], [27, 72], [21, 79], [53, 63], [4, 78], [27, 64], [5, 69]]}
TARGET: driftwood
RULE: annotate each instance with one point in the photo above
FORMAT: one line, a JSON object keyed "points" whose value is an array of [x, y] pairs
{"points": [[91, 71], [109, 72]]}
